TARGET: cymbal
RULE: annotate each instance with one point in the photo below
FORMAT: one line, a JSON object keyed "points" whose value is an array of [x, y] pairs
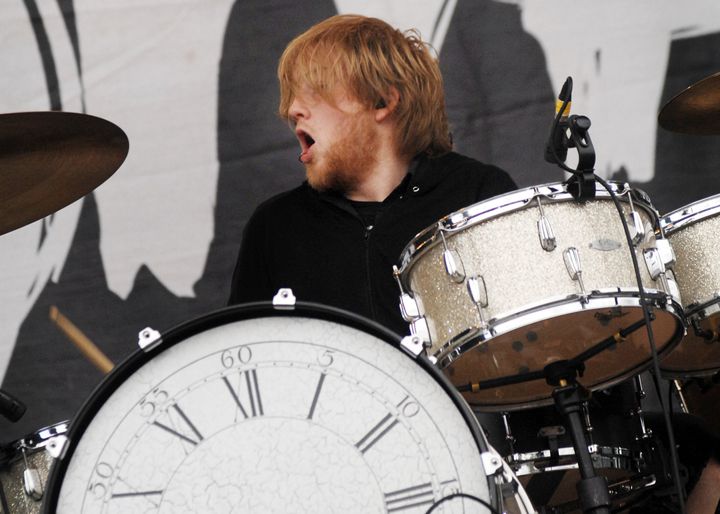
{"points": [[696, 110], [50, 159]]}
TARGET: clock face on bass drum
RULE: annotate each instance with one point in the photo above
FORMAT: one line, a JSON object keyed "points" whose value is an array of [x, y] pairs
{"points": [[255, 410]]}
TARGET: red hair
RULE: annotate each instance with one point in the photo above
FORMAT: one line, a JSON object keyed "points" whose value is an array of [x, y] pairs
{"points": [[368, 58]]}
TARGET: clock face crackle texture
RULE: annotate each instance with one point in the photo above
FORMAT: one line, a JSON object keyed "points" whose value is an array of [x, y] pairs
{"points": [[275, 414]]}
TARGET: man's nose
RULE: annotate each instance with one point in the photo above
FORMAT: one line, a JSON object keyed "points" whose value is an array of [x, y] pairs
{"points": [[297, 110]]}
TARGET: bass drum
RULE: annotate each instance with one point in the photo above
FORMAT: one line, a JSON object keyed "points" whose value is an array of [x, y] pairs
{"points": [[262, 409]]}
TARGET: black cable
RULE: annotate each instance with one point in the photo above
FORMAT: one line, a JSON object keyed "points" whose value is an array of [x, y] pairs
{"points": [[462, 495], [653, 348], [643, 301]]}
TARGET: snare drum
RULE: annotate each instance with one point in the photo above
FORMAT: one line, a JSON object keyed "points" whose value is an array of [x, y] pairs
{"points": [[693, 231], [25, 468], [258, 409], [512, 284]]}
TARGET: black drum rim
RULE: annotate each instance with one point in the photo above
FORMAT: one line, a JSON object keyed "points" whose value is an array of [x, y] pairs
{"points": [[79, 423]]}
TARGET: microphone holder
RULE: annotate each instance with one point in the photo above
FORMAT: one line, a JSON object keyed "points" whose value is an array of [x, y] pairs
{"points": [[582, 184]]}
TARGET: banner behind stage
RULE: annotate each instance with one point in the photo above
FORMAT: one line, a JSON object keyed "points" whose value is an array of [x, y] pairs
{"points": [[192, 83]]}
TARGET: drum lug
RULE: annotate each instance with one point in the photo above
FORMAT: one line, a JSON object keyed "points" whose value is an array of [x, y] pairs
{"points": [[478, 294], [571, 256], [655, 267], [413, 345], [636, 226], [454, 266], [492, 462], [148, 338], [673, 290], [666, 252], [453, 263], [284, 299], [637, 229], [56, 446], [409, 308], [32, 484], [655, 262], [548, 242]]}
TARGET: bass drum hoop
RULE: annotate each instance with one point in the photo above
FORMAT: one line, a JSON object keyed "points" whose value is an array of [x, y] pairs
{"points": [[220, 317]]}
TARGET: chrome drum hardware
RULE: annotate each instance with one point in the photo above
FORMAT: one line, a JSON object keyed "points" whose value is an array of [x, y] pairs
{"points": [[25, 468], [535, 278]]}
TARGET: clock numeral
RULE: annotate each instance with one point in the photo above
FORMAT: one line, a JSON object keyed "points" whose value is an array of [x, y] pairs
{"points": [[240, 355], [187, 438], [99, 488], [152, 402], [253, 394], [317, 394], [326, 358], [408, 408], [376, 433], [409, 497]]}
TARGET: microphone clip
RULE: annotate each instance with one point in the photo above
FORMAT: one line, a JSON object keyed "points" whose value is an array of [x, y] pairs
{"points": [[582, 184], [572, 131]]}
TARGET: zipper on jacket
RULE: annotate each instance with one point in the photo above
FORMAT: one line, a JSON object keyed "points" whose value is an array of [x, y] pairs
{"points": [[371, 304]]}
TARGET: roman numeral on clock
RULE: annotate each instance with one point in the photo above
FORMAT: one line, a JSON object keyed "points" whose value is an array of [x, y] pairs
{"points": [[376, 433], [193, 438], [253, 406], [137, 493], [409, 497], [317, 395]]}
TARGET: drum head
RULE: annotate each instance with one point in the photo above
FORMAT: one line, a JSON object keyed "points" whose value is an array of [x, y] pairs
{"points": [[252, 409]]}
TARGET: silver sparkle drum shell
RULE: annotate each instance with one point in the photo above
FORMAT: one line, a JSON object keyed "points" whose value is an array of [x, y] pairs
{"points": [[693, 231], [262, 409], [536, 313], [27, 462]]}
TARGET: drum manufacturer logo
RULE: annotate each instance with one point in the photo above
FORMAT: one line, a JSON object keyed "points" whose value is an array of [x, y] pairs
{"points": [[605, 245]]}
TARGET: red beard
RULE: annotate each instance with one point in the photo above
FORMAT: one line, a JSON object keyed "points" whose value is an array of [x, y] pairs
{"points": [[349, 162]]}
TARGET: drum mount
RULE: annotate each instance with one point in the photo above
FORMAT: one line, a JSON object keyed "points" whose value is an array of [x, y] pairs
{"points": [[569, 397]]}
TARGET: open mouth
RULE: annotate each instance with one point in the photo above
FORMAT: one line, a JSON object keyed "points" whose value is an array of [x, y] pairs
{"points": [[306, 143]]}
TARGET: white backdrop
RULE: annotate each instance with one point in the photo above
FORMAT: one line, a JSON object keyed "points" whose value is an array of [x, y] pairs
{"points": [[182, 79]]}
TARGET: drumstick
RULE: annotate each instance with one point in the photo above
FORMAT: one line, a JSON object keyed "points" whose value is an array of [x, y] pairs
{"points": [[81, 341]]}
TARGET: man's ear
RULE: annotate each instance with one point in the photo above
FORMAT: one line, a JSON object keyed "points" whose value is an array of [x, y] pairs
{"points": [[386, 105]]}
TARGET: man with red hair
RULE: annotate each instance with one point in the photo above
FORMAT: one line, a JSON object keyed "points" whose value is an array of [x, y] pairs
{"points": [[366, 103]]}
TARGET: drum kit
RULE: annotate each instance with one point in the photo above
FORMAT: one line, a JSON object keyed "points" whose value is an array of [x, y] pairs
{"points": [[515, 303]]}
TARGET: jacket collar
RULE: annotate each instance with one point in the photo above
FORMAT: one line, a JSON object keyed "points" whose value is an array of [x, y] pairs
{"points": [[424, 174]]}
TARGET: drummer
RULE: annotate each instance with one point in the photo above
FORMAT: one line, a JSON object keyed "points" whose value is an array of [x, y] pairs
{"points": [[366, 103]]}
